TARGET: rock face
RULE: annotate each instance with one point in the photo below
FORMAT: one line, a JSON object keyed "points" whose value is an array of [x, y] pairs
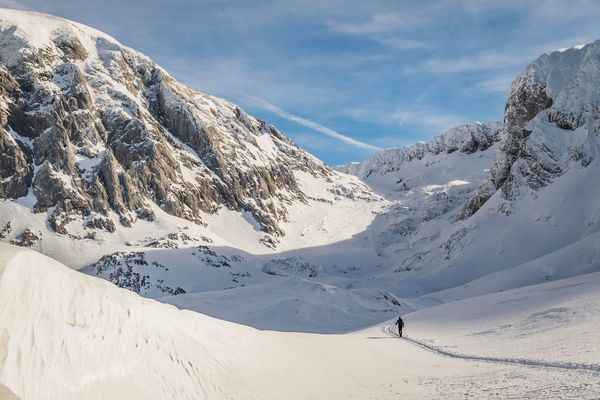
{"points": [[292, 266], [26, 239], [95, 130], [126, 270], [559, 90]]}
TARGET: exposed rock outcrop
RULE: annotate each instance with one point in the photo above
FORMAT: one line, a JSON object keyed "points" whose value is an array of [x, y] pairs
{"points": [[26, 239], [559, 89], [92, 127]]}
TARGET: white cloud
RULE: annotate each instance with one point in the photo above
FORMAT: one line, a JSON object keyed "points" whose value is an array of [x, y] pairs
{"points": [[482, 61], [421, 118], [500, 84], [310, 124], [432, 120]]}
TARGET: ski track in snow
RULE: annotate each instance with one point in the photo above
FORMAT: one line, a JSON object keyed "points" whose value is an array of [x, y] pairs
{"points": [[581, 367]]}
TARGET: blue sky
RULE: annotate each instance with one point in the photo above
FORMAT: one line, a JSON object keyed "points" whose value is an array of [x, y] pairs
{"points": [[345, 78]]}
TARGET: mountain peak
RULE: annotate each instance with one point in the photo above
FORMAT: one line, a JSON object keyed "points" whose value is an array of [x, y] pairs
{"points": [[39, 29], [98, 135]]}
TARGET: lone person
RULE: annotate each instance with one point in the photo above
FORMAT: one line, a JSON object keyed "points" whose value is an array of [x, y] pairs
{"points": [[400, 324]]}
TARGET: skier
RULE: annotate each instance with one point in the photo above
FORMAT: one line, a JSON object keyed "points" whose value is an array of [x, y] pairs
{"points": [[400, 324]]}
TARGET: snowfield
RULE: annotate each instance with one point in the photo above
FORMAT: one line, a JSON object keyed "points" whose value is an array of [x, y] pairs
{"points": [[555, 322], [69, 336]]}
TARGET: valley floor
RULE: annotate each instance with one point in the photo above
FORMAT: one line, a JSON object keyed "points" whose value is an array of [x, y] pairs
{"points": [[374, 364], [64, 335]]}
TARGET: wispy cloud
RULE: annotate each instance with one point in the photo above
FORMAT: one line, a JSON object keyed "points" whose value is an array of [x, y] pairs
{"points": [[431, 120], [499, 84], [265, 105], [390, 29], [418, 117], [482, 61]]}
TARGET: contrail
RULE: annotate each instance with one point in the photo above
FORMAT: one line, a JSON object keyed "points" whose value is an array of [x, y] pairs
{"points": [[264, 104]]}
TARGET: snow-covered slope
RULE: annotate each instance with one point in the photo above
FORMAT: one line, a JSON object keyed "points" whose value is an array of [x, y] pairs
{"points": [[64, 335], [466, 139], [296, 305], [555, 321]]}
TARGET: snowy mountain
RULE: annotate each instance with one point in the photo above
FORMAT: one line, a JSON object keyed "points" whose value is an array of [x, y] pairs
{"points": [[110, 164], [98, 136], [552, 118], [466, 139], [519, 212]]}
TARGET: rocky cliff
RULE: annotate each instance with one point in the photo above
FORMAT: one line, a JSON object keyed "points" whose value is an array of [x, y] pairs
{"points": [[551, 118], [95, 133]]}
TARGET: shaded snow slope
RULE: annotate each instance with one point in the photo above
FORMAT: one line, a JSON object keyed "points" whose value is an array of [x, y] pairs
{"points": [[65, 335], [6, 393], [296, 305], [69, 336]]}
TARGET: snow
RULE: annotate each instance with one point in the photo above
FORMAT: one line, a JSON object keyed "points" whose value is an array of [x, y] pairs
{"points": [[295, 305], [248, 217], [36, 29], [455, 139], [324, 220], [497, 304], [265, 145], [87, 164], [104, 342], [6, 393], [553, 322], [15, 136]]}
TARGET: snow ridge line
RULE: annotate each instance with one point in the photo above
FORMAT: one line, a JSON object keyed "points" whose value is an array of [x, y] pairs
{"points": [[583, 367]]}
